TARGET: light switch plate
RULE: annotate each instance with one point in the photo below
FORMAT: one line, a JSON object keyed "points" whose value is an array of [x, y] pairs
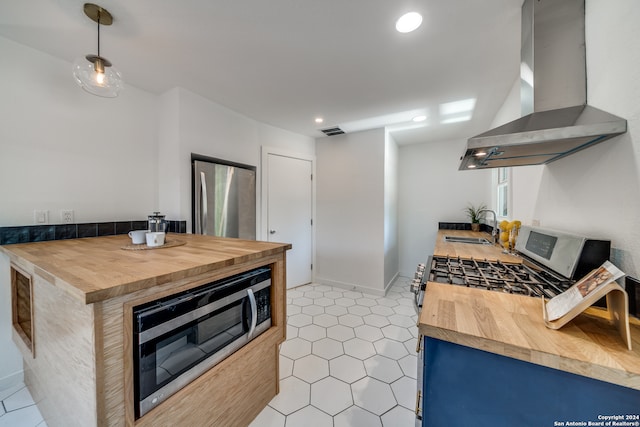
{"points": [[41, 216]]}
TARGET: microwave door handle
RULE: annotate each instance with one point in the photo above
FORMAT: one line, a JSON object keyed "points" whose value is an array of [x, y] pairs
{"points": [[254, 312], [203, 203]]}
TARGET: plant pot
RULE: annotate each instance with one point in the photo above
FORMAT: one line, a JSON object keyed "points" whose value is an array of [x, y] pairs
{"points": [[475, 226]]}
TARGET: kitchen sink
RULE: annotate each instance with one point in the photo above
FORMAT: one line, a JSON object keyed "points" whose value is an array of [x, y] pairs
{"points": [[470, 240]]}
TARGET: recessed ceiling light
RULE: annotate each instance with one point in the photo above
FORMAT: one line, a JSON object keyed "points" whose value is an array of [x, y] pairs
{"points": [[480, 153], [319, 120], [408, 22], [471, 167], [421, 118]]}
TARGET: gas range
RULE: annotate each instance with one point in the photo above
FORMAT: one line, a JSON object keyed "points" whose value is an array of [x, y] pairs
{"points": [[552, 262]]}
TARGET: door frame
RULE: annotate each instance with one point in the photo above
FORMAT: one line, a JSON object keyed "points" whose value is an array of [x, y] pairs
{"points": [[264, 192]]}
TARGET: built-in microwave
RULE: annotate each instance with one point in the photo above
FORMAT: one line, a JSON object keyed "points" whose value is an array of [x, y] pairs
{"points": [[178, 338]]}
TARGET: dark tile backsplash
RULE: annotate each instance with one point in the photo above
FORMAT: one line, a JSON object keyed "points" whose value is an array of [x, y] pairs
{"points": [[88, 230], [139, 225], [106, 228], [462, 226], [40, 233], [65, 231], [454, 226], [123, 227], [14, 235], [177, 226]]}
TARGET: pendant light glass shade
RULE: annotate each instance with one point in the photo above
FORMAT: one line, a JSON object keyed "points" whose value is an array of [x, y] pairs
{"points": [[94, 73], [97, 78]]}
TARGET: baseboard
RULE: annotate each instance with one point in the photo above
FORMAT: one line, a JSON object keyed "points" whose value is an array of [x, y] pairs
{"points": [[350, 287], [12, 380], [391, 282]]}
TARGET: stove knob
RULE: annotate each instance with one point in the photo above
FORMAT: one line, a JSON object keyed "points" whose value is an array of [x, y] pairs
{"points": [[415, 285], [418, 275], [421, 267]]}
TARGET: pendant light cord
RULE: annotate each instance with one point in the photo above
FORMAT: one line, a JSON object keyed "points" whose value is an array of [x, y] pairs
{"points": [[98, 34]]}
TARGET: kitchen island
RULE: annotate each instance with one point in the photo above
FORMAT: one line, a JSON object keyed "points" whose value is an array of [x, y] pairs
{"points": [[490, 360], [72, 304]]}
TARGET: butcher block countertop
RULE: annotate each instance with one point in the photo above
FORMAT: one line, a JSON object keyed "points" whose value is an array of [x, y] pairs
{"points": [[512, 326], [97, 268], [466, 250]]}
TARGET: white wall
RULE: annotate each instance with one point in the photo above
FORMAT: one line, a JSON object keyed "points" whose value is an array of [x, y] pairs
{"points": [[432, 189], [109, 159], [206, 128], [62, 148], [597, 191], [391, 248], [350, 210], [169, 159]]}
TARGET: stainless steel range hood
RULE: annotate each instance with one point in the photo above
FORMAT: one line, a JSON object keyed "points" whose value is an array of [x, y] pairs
{"points": [[558, 121]]}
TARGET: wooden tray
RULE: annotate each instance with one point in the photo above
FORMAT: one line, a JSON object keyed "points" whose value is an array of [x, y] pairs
{"points": [[143, 246]]}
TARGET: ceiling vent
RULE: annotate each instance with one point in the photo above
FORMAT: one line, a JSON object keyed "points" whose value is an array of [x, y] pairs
{"points": [[332, 131]]}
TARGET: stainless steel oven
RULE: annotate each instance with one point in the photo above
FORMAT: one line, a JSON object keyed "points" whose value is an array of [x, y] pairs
{"points": [[178, 338]]}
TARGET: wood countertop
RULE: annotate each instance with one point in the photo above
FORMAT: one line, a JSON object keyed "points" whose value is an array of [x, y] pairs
{"points": [[466, 250], [512, 326], [97, 268]]}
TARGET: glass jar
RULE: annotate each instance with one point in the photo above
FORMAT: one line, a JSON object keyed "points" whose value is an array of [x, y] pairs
{"points": [[157, 222]]}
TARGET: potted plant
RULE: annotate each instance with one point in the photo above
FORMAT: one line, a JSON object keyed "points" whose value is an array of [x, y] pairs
{"points": [[474, 215]]}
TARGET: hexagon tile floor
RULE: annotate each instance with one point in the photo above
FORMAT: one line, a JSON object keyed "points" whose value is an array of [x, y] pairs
{"points": [[349, 361]]}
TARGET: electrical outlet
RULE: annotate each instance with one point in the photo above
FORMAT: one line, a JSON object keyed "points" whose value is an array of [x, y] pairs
{"points": [[66, 216], [40, 216], [535, 222]]}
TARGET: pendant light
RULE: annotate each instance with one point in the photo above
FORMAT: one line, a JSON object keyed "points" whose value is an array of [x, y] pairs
{"points": [[94, 73]]}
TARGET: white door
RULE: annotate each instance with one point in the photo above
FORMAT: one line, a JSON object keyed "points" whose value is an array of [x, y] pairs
{"points": [[289, 213]]}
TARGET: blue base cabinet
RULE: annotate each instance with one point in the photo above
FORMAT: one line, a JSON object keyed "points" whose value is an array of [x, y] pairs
{"points": [[463, 386]]}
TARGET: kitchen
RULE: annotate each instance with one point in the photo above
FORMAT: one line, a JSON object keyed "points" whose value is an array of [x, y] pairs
{"points": [[144, 135]]}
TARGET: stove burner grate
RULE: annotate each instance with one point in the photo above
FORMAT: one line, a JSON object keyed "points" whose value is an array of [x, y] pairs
{"points": [[497, 276]]}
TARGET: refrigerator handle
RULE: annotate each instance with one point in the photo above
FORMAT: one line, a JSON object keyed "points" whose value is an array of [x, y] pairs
{"points": [[203, 203]]}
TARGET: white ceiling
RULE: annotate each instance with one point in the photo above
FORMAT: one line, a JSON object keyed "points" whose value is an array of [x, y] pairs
{"points": [[284, 62]]}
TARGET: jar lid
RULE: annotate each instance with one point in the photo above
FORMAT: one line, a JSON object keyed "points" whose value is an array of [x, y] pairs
{"points": [[156, 216]]}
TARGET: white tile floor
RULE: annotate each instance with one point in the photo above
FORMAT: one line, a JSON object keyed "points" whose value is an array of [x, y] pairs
{"points": [[349, 361], [17, 408]]}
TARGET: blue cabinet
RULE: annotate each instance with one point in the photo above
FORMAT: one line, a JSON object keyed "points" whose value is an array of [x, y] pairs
{"points": [[465, 386]]}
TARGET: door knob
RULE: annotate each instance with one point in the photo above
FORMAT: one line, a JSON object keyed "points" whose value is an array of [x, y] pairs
{"points": [[272, 231]]}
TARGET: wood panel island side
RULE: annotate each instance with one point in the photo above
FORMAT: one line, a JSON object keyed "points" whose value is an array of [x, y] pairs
{"points": [[72, 306]]}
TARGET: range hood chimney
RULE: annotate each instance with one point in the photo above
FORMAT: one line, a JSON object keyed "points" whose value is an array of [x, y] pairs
{"points": [[556, 119]]}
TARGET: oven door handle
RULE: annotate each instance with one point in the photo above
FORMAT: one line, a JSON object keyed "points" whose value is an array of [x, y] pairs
{"points": [[254, 313], [415, 301]]}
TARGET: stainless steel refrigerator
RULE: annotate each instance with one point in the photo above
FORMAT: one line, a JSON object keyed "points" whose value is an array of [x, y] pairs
{"points": [[224, 198]]}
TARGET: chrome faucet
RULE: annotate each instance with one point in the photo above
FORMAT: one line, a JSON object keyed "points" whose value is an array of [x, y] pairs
{"points": [[494, 232]]}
